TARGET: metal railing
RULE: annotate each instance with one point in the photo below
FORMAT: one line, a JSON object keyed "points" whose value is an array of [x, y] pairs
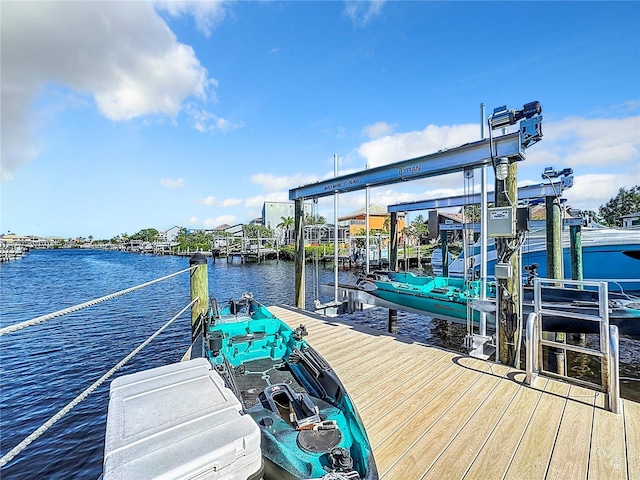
{"points": [[608, 349]]}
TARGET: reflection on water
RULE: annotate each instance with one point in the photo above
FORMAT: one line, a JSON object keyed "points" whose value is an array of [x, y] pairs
{"points": [[46, 366]]}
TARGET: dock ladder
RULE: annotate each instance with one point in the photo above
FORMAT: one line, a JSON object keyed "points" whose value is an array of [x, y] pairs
{"points": [[607, 351]]}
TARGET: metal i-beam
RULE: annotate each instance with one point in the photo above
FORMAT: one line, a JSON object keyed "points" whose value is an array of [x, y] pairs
{"points": [[528, 192], [457, 159]]}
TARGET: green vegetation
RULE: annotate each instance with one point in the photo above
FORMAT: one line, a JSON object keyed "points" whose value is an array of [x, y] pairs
{"points": [[146, 235], [194, 240], [257, 231], [624, 203]]}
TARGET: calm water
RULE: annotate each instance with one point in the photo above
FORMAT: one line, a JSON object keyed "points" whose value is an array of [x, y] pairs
{"points": [[44, 367]]}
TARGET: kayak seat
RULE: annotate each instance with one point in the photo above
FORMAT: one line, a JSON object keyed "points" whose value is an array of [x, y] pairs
{"points": [[293, 407]]}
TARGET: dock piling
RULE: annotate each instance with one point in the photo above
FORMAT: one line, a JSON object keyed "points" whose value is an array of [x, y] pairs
{"points": [[199, 281], [393, 321]]}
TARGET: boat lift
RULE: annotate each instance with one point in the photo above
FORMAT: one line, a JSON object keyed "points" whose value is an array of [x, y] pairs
{"points": [[528, 192], [494, 151], [476, 343]]}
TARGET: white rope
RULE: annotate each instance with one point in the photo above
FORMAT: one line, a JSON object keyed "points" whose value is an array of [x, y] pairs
{"points": [[27, 441], [90, 303]]}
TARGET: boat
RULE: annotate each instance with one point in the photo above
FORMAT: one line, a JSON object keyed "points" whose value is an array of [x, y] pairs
{"points": [[310, 428], [447, 298], [624, 310], [608, 254], [458, 300]]}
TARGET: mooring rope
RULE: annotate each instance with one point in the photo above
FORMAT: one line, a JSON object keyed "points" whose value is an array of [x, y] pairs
{"points": [[90, 303], [27, 441]]}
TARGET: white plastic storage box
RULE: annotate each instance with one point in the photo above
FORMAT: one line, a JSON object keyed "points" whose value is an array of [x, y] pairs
{"points": [[179, 422]]}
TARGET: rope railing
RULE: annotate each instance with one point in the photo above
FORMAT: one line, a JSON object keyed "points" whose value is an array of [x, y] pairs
{"points": [[37, 433], [90, 303]]}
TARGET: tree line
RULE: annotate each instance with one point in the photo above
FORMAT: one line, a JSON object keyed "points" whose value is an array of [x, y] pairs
{"points": [[626, 201]]}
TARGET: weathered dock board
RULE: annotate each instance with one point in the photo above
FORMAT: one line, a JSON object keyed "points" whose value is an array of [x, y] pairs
{"points": [[431, 413]]}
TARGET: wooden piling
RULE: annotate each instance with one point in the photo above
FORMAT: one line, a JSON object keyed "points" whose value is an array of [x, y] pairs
{"points": [[199, 280], [444, 243], [554, 237], [575, 236], [393, 239], [393, 266], [393, 321], [509, 288]]}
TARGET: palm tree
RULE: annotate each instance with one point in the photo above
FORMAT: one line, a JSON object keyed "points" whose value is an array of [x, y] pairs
{"points": [[286, 224], [386, 225]]}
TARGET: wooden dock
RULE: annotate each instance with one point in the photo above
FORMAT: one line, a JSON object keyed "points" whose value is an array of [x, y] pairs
{"points": [[432, 413]]}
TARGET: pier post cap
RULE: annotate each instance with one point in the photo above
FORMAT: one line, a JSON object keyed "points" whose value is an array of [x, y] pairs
{"points": [[198, 259]]}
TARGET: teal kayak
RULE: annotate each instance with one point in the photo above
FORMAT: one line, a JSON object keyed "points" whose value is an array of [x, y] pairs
{"points": [[440, 297], [310, 428], [456, 299]]}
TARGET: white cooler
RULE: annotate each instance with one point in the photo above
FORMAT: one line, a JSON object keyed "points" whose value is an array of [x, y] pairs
{"points": [[179, 422]]}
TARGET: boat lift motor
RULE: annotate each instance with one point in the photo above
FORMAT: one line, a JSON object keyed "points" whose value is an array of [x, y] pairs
{"points": [[530, 127]]}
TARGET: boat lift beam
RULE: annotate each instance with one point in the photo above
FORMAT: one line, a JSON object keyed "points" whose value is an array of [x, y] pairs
{"points": [[529, 192], [450, 160]]}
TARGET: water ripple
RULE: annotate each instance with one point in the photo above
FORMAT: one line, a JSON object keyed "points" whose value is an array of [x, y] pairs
{"points": [[44, 367]]}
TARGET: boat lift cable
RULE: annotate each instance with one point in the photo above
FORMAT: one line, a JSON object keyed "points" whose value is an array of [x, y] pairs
{"points": [[42, 429], [90, 303], [317, 250], [469, 190]]}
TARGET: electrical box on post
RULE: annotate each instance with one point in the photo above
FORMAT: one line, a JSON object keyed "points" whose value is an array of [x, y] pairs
{"points": [[501, 222], [502, 271]]}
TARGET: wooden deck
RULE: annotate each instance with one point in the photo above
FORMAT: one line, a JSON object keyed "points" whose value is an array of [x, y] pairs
{"points": [[431, 413]]}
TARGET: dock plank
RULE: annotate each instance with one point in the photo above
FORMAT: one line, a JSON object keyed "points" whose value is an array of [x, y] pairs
{"points": [[382, 423], [388, 391], [443, 429], [495, 456], [534, 452], [607, 459], [571, 459], [434, 414], [458, 453], [632, 434], [360, 373], [401, 440]]}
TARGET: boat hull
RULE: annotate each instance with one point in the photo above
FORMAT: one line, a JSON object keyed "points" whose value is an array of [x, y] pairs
{"points": [[439, 297], [608, 254]]}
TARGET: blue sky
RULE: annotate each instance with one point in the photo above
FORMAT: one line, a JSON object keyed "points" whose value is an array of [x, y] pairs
{"points": [[119, 116]]}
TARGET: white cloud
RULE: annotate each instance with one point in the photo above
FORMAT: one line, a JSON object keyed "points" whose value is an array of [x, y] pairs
{"points": [[378, 129], [212, 201], [589, 143], [206, 121], [170, 183], [259, 200], [120, 53], [207, 14], [591, 191], [272, 183], [231, 202], [403, 146], [362, 11], [220, 220]]}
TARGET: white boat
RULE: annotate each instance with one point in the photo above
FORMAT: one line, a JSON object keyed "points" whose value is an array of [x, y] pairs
{"points": [[608, 254]]}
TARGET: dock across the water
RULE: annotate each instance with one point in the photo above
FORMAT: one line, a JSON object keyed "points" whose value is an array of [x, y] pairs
{"points": [[431, 413]]}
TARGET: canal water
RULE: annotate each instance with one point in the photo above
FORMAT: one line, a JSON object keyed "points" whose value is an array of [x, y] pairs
{"points": [[44, 367]]}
